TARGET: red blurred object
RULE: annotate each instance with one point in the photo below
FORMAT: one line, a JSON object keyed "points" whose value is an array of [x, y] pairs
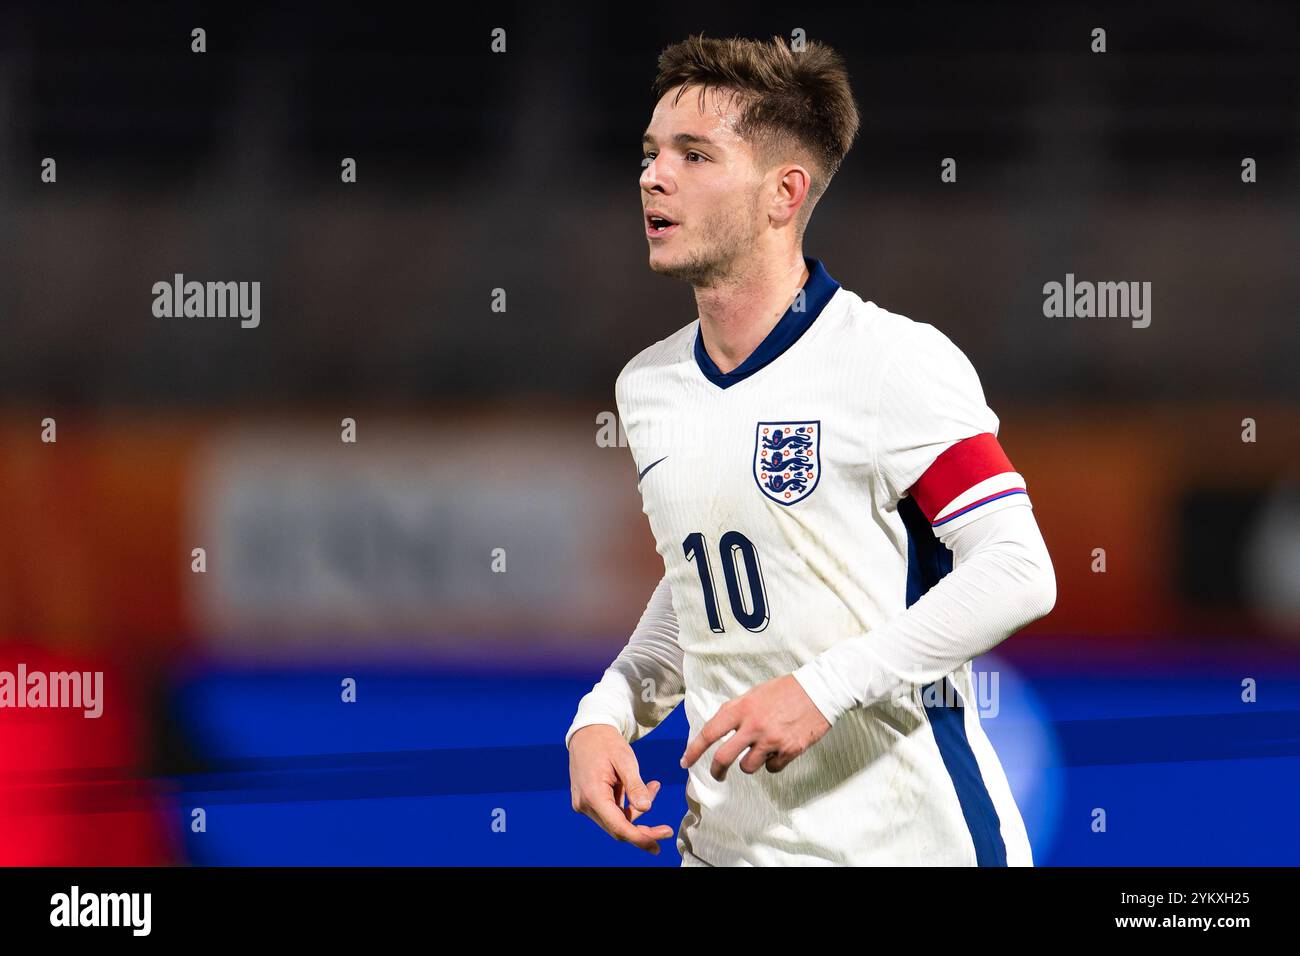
{"points": [[73, 790]]}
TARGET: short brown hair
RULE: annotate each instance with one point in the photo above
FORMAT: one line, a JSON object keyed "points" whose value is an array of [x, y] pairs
{"points": [[792, 101]]}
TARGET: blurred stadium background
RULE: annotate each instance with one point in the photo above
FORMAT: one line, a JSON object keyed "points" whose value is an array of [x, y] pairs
{"points": [[478, 430]]}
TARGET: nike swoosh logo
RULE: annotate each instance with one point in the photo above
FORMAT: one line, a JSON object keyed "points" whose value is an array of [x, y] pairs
{"points": [[647, 468]]}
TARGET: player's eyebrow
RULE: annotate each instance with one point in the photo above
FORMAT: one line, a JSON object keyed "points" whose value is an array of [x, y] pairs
{"points": [[681, 139]]}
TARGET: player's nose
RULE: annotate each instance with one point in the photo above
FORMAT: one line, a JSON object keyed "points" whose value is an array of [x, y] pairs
{"points": [[651, 178]]}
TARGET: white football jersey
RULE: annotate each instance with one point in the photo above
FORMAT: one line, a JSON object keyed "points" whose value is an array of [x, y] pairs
{"points": [[795, 502]]}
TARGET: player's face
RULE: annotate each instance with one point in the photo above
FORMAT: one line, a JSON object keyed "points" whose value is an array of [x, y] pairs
{"points": [[702, 177]]}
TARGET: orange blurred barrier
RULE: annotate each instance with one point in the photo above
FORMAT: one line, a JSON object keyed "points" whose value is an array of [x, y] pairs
{"points": [[98, 528]]}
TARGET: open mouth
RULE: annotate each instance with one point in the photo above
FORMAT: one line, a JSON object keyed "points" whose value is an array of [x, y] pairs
{"points": [[657, 226]]}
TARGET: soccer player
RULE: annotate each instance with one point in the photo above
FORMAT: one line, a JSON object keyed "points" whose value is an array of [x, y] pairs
{"points": [[840, 530]]}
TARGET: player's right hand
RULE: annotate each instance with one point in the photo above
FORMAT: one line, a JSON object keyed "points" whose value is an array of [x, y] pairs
{"points": [[603, 777]]}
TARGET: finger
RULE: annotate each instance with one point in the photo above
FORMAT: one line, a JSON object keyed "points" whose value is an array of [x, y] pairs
{"points": [[779, 762], [758, 755], [726, 754], [722, 723], [630, 777], [653, 835], [611, 819], [653, 789]]}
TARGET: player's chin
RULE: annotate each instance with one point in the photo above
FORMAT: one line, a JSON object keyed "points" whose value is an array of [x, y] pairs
{"points": [[662, 260]]}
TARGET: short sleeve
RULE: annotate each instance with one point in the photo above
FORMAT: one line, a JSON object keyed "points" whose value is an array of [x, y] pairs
{"points": [[936, 437]]}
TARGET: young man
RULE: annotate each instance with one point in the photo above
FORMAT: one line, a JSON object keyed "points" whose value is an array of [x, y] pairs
{"points": [[841, 532]]}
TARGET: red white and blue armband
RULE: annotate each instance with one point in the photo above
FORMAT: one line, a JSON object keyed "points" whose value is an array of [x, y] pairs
{"points": [[970, 479]]}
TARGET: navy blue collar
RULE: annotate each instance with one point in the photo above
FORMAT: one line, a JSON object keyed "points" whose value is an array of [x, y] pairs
{"points": [[817, 292]]}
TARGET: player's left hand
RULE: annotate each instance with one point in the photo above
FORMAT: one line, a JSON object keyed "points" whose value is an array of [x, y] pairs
{"points": [[776, 721]]}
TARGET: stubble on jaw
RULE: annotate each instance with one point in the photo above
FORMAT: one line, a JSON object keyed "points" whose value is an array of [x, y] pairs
{"points": [[728, 240]]}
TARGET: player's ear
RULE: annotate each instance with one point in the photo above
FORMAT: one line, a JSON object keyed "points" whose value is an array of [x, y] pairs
{"points": [[790, 192]]}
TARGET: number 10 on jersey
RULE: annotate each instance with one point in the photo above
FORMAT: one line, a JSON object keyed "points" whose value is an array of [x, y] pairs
{"points": [[735, 550]]}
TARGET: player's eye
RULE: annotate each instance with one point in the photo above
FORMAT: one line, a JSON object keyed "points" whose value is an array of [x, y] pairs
{"points": [[649, 157]]}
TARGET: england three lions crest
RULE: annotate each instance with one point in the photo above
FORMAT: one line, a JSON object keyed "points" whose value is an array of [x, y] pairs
{"points": [[787, 462]]}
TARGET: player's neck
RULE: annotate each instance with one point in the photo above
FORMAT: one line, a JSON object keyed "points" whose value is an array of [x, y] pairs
{"points": [[737, 314]]}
